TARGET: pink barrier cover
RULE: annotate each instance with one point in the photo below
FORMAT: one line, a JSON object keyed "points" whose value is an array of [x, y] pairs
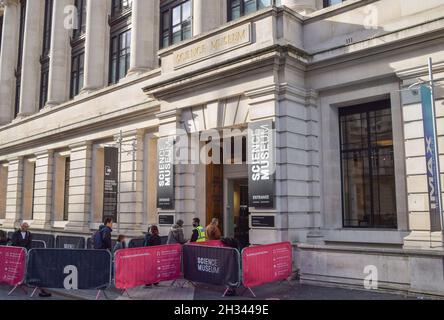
{"points": [[12, 265], [266, 264], [148, 265]]}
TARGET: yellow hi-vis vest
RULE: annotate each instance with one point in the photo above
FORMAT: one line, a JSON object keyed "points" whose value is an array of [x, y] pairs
{"points": [[201, 233]]}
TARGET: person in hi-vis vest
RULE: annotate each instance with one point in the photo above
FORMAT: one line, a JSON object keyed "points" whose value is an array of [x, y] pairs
{"points": [[198, 232]]}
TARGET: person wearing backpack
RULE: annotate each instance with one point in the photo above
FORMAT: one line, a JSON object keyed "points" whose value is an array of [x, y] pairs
{"points": [[176, 234], [102, 238]]}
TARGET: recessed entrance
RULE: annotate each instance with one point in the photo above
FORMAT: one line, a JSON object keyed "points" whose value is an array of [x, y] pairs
{"points": [[237, 211]]}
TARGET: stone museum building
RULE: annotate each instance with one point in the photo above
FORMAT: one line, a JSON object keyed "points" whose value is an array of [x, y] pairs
{"points": [[93, 94]]}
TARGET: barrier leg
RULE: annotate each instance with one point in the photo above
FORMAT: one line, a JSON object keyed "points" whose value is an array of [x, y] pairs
{"points": [[127, 293], [225, 292], [13, 289], [34, 291], [251, 292], [98, 294]]}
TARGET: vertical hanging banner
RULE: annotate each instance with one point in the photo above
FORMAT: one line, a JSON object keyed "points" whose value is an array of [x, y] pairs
{"points": [[165, 178], [431, 148], [111, 180], [261, 164]]}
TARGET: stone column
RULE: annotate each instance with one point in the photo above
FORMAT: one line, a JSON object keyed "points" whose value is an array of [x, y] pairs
{"points": [[32, 50], [131, 184], [301, 6], [207, 15], [60, 53], [96, 48], [43, 190], [14, 193], [80, 187], [144, 35], [8, 60]]}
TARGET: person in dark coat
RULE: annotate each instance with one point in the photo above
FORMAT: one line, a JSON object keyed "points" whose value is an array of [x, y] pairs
{"points": [[3, 238], [106, 234], [152, 239], [120, 244], [23, 238]]}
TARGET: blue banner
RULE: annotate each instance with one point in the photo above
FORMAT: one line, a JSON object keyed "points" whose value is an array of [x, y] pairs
{"points": [[433, 176]]}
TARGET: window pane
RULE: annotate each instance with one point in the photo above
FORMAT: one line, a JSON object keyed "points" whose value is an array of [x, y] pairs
{"points": [[250, 6], [186, 10], [176, 15], [264, 3]]}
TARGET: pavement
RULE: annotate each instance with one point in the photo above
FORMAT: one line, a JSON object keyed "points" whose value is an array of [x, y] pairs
{"points": [[170, 291]]}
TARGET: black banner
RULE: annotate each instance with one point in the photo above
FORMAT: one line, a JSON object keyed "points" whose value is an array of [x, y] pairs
{"points": [[136, 243], [65, 242], [111, 180], [69, 269], [261, 164], [165, 178], [213, 265], [38, 244]]}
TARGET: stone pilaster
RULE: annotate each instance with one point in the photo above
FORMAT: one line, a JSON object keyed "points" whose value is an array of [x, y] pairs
{"points": [[32, 51], [14, 193], [43, 187], [59, 65], [144, 35], [80, 187], [8, 60], [96, 48], [207, 15], [131, 184], [297, 208]]}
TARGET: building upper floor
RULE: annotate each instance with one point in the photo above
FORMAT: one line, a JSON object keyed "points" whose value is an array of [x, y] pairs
{"points": [[54, 52]]}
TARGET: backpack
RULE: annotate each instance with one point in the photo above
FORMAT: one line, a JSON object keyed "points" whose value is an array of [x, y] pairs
{"points": [[98, 240]]}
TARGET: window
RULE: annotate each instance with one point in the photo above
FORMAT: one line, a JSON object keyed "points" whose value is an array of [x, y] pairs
{"points": [[328, 3], [120, 44], [120, 7], [44, 59], [18, 71], [66, 189], [239, 8], [81, 19], [176, 21], [78, 50], [367, 161]]}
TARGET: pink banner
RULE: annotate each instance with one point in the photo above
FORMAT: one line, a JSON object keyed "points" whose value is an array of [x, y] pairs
{"points": [[148, 265], [267, 264], [12, 265]]}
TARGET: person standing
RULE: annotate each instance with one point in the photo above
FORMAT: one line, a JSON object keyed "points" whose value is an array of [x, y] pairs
{"points": [[198, 232], [212, 231], [120, 244], [106, 234], [152, 239], [176, 234], [23, 238], [3, 238]]}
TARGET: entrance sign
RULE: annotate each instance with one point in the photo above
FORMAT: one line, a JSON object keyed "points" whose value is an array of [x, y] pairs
{"points": [[261, 164], [166, 220], [263, 222], [111, 178], [433, 175], [165, 178]]}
